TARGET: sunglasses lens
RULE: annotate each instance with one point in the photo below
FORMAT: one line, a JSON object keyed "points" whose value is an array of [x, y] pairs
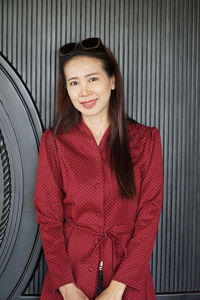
{"points": [[67, 48], [90, 43]]}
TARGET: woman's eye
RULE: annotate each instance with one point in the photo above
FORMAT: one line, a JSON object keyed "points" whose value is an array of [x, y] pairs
{"points": [[73, 83], [93, 79]]}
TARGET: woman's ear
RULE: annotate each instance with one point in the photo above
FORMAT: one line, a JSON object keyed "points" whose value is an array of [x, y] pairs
{"points": [[113, 83]]}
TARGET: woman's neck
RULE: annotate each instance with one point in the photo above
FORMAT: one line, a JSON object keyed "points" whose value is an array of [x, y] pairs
{"points": [[97, 126]]}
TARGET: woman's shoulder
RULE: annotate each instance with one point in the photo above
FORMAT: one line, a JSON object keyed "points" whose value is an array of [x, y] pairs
{"points": [[141, 134], [50, 133], [47, 137]]}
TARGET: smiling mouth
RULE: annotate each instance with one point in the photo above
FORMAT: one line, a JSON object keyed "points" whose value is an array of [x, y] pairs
{"points": [[89, 104], [88, 101]]}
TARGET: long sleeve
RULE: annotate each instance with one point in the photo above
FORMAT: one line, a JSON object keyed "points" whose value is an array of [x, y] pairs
{"points": [[49, 210], [133, 268]]}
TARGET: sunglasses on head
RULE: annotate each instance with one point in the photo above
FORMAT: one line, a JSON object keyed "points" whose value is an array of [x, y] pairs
{"points": [[90, 43]]}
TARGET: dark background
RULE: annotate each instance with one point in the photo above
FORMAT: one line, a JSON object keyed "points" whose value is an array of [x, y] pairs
{"points": [[157, 44]]}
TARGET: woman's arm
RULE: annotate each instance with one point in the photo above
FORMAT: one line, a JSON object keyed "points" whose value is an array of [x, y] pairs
{"points": [[132, 270], [49, 210], [70, 292], [114, 291]]}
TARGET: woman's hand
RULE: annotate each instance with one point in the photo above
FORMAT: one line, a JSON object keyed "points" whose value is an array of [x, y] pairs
{"points": [[71, 292], [114, 291]]}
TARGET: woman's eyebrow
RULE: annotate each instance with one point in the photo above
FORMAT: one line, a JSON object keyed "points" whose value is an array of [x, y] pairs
{"points": [[85, 76]]}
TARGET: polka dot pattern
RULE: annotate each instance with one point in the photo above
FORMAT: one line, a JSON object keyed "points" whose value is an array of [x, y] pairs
{"points": [[83, 219]]}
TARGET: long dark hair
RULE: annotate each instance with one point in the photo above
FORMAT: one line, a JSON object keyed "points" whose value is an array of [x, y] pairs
{"points": [[66, 115]]}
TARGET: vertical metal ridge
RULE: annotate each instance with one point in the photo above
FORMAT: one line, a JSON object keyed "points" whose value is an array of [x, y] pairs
{"points": [[121, 36], [178, 248], [140, 60], [116, 31], [162, 240], [33, 44], [170, 161], [55, 40], [9, 30], [29, 34], [101, 19], [1, 26], [5, 20], [48, 62], [197, 145], [192, 145], [107, 22], [61, 21], [188, 161], [112, 25], [125, 44], [135, 59], [176, 133], [191, 149], [129, 90], [38, 74], [153, 58], [23, 50], [144, 110], [68, 21], [43, 46], [78, 14], [183, 136]]}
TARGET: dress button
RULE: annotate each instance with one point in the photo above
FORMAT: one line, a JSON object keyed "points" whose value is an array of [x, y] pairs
{"points": [[83, 259], [96, 241], [98, 214], [90, 269], [90, 251], [98, 184]]}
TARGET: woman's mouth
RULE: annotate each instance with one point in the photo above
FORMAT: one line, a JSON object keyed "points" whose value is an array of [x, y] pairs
{"points": [[89, 103]]}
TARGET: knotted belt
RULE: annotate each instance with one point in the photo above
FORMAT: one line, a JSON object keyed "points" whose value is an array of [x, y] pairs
{"points": [[112, 233]]}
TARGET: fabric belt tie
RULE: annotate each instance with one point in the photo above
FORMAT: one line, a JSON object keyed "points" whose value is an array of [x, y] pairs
{"points": [[102, 235]]}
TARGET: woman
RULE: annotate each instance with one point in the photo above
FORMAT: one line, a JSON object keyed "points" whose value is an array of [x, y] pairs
{"points": [[99, 185]]}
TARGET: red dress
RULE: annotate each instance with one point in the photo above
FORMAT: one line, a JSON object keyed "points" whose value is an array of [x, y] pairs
{"points": [[84, 220]]}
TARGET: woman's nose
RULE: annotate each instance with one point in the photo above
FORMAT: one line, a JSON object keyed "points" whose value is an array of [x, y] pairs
{"points": [[84, 90]]}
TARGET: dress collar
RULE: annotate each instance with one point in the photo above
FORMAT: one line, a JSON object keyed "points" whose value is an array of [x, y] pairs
{"points": [[84, 129]]}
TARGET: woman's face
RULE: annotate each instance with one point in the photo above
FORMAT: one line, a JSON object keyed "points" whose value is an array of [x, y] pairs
{"points": [[88, 85]]}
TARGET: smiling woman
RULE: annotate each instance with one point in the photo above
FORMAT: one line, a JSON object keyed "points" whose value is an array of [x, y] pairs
{"points": [[99, 185], [89, 88]]}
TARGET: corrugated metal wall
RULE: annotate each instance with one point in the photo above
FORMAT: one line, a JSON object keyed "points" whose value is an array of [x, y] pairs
{"points": [[157, 43]]}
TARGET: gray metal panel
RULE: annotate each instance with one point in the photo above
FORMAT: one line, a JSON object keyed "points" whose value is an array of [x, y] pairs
{"points": [[157, 45]]}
